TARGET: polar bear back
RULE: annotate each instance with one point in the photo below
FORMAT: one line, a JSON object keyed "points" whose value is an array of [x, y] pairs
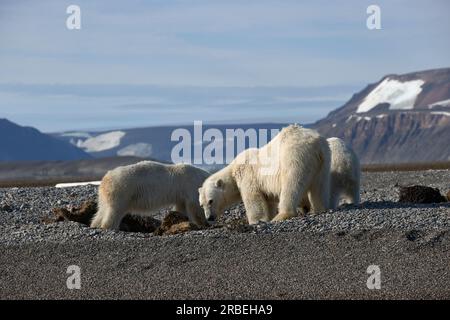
{"points": [[295, 149], [148, 178]]}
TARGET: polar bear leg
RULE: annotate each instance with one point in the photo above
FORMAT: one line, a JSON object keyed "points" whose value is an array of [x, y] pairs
{"points": [[355, 196], [112, 216], [335, 196], [319, 198], [256, 207], [352, 193], [319, 192], [97, 220], [305, 205], [273, 208], [289, 199]]}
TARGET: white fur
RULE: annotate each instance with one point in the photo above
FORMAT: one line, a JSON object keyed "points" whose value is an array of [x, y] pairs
{"points": [[299, 165], [345, 175], [145, 187]]}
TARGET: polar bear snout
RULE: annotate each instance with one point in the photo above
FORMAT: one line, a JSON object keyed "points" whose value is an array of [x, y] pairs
{"points": [[208, 201], [210, 213]]}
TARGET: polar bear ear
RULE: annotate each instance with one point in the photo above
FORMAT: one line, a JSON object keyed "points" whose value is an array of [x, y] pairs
{"points": [[219, 183], [199, 190]]}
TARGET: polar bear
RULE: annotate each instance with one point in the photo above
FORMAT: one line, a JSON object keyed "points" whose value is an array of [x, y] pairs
{"points": [[145, 187], [272, 180], [345, 175]]}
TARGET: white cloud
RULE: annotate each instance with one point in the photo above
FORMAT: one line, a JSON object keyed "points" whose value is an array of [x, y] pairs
{"points": [[205, 43], [217, 42]]}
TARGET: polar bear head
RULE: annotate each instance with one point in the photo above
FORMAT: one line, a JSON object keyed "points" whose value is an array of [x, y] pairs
{"points": [[212, 198], [218, 193]]}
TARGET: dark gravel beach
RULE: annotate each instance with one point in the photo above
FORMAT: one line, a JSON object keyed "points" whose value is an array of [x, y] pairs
{"points": [[318, 256]]}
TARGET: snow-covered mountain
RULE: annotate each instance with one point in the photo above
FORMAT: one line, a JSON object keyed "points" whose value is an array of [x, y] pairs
{"points": [[151, 142], [401, 118], [19, 143]]}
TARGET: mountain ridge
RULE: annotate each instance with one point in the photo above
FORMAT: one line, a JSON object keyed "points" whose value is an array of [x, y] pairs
{"points": [[21, 143], [417, 129]]}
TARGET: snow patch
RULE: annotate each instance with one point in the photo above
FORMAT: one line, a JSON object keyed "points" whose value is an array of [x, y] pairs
{"points": [[447, 114], [358, 118], [141, 150], [443, 103], [400, 95], [334, 125], [381, 116], [80, 134], [76, 184], [102, 142]]}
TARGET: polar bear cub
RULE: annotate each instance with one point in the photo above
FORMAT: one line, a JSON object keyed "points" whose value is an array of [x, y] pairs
{"points": [[145, 187], [272, 180], [345, 175]]}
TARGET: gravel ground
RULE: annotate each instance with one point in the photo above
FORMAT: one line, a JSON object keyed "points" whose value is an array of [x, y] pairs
{"points": [[318, 256]]}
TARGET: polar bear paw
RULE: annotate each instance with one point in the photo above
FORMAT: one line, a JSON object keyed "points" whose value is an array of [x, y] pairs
{"points": [[282, 216]]}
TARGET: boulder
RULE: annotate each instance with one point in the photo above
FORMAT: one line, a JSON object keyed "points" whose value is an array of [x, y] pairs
{"points": [[420, 194]]}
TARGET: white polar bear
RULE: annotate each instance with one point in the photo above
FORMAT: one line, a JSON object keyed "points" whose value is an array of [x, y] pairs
{"points": [[145, 187], [345, 175], [295, 163]]}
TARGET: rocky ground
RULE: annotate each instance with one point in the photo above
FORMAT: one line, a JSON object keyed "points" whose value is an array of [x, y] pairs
{"points": [[318, 256]]}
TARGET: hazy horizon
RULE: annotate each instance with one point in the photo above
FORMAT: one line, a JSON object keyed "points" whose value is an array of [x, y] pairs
{"points": [[105, 107]]}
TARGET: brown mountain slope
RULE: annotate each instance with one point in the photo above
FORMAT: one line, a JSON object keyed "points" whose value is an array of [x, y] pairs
{"points": [[400, 119]]}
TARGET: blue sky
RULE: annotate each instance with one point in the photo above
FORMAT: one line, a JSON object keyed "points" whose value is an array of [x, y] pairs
{"points": [[138, 63]]}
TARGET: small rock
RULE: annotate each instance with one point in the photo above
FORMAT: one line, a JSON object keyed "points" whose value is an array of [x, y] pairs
{"points": [[175, 222], [181, 227], [82, 214], [241, 225], [413, 235], [420, 194], [133, 223], [6, 208]]}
